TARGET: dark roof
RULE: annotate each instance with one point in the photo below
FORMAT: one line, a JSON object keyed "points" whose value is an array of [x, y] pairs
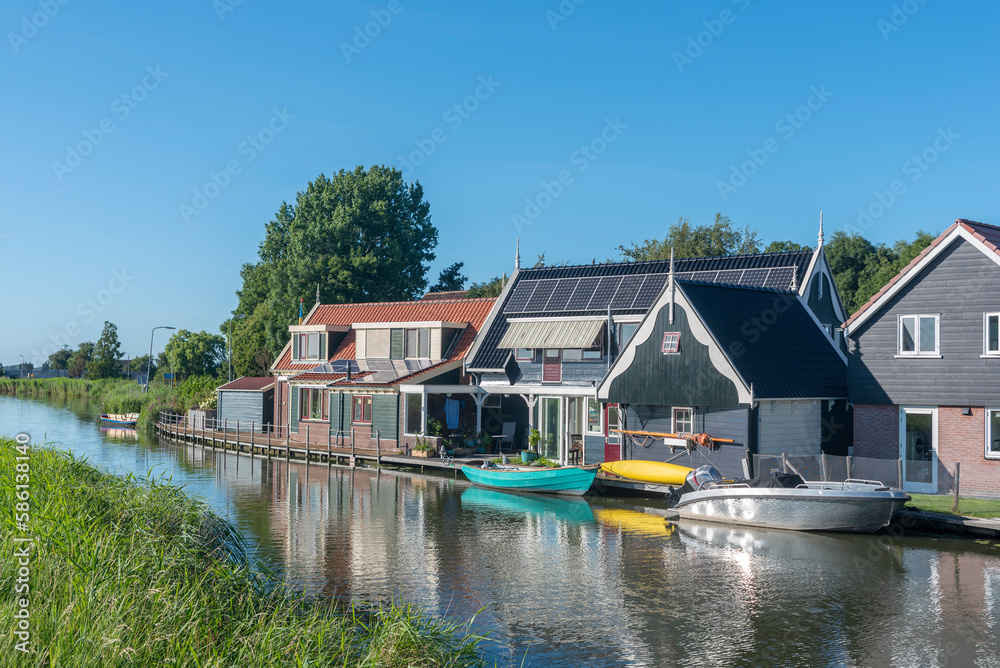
{"points": [[771, 339], [634, 296], [250, 384]]}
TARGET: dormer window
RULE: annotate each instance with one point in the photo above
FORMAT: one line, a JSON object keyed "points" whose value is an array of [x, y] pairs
{"points": [[308, 346], [418, 343]]}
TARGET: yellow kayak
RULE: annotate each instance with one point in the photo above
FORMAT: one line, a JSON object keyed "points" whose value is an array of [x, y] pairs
{"points": [[660, 473]]}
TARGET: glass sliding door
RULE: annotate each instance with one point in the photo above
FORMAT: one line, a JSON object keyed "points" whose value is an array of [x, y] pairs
{"points": [[918, 449], [551, 442]]}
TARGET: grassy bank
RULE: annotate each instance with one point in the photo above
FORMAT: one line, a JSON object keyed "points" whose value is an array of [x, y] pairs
{"points": [[128, 572], [936, 503], [118, 396]]}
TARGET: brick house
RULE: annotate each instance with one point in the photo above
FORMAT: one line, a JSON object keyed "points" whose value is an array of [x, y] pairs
{"points": [[924, 361]]}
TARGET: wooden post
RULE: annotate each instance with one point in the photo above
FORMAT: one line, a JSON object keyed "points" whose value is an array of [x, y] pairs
{"points": [[329, 440], [307, 445], [288, 436], [899, 471], [253, 425], [238, 446], [850, 467], [822, 459], [378, 447], [958, 471]]}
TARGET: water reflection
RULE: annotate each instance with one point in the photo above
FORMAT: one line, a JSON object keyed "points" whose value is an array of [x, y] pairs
{"points": [[580, 581]]}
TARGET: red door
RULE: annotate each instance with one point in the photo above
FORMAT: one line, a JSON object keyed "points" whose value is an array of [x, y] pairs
{"points": [[612, 439]]}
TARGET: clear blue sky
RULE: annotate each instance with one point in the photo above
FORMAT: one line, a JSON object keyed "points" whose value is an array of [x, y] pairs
{"points": [[197, 86]]}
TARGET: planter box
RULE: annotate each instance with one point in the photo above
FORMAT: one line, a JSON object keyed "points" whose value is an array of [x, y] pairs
{"points": [[424, 453]]}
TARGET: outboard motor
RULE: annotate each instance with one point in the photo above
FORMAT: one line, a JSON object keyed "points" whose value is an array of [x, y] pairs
{"points": [[696, 479]]}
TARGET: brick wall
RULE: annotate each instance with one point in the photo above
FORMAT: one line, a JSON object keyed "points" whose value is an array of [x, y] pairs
{"points": [[962, 438], [876, 431]]}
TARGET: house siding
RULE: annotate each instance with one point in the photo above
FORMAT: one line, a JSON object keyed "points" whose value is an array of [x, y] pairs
{"points": [[792, 427], [385, 416], [583, 374], [246, 407], [960, 284]]}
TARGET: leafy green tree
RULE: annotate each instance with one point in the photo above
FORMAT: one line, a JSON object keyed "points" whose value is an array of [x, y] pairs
{"points": [[848, 255], [785, 247], [251, 356], [450, 279], [60, 358], [80, 358], [104, 362], [719, 238], [363, 235], [194, 353], [491, 288], [138, 365], [886, 263]]}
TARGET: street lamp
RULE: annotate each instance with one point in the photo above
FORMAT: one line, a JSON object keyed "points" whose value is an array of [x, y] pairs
{"points": [[149, 361], [128, 366], [230, 344], [22, 367]]}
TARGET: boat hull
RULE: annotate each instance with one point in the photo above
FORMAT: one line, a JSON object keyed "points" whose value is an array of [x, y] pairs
{"points": [[661, 473], [565, 480], [819, 507], [127, 419]]}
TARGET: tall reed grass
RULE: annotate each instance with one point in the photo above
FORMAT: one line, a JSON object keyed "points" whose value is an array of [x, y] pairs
{"points": [[132, 572]]}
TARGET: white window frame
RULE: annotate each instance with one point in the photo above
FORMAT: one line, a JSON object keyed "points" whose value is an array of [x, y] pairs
{"points": [[916, 352], [986, 335], [521, 358], [572, 354], [420, 333], [989, 437], [673, 419], [309, 338]]}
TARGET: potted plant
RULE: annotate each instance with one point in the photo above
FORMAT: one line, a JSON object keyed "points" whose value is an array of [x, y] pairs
{"points": [[422, 448], [534, 436], [485, 443], [435, 430]]}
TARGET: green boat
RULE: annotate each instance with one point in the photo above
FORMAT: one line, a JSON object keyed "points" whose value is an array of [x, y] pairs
{"points": [[572, 480]]}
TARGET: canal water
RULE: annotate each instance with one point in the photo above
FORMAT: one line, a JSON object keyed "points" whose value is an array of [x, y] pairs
{"points": [[576, 582]]}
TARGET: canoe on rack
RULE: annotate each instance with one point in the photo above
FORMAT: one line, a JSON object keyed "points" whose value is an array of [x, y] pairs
{"points": [[661, 473]]}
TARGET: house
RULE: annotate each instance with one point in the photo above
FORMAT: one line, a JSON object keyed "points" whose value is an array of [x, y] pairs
{"points": [[924, 359], [380, 374], [555, 333], [246, 403]]}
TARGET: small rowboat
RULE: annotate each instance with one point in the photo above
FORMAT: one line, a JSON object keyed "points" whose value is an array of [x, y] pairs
{"points": [[120, 418], [572, 480], [662, 473]]}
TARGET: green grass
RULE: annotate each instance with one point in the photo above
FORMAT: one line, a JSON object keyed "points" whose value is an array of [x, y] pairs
{"points": [[936, 503], [132, 572]]}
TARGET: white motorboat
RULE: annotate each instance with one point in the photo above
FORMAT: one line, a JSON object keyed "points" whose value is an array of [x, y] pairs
{"points": [[785, 501]]}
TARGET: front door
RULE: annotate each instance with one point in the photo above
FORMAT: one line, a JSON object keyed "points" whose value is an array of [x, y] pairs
{"points": [[552, 424], [918, 449], [612, 438]]}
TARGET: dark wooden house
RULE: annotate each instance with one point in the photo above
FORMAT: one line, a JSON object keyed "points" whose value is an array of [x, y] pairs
{"points": [[247, 402]]}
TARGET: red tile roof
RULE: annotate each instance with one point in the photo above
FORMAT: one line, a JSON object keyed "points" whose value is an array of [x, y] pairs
{"points": [[451, 294], [249, 383], [988, 234]]}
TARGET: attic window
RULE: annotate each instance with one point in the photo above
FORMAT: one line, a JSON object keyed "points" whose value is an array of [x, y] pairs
{"points": [[308, 346], [671, 343]]}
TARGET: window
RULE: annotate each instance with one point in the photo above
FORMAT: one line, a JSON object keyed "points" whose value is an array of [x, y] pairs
{"points": [[593, 354], [309, 346], [524, 354], [593, 416], [312, 404], [671, 342], [625, 332], [572, 354], [414, 414], [993, 433], [991, 334], [362, 410], [918, 335], [683, 420], [418, 343]]}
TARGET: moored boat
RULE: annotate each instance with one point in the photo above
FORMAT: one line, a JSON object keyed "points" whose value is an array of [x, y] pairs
{"points": [[572, 480], [661, 473], [120, 418], [785, 501]]}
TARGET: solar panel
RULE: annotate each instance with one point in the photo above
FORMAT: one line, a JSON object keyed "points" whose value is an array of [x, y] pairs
{"points": [[541, 295], [651, 287], [562, 293], [731, 276], [754, 277], [604, 293], [780, 278], [583, 293], [518, 300], [626, 292]]}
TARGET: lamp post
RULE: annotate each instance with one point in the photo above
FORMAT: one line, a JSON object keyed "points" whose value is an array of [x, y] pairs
{"points": [[22, 368], [230, 344], [128, 366], [149, 361]]}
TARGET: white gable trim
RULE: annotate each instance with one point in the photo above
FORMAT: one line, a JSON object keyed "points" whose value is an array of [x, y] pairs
{"points": [[831, 340], [701, 334], [822, 268], [958, 233]]}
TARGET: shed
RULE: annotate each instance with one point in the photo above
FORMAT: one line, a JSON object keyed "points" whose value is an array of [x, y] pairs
{"points": [[248, 401]]}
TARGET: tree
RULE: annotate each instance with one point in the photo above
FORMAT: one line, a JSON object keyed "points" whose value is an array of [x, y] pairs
{"points": [[251, 356], [491, 288], [194, 353], [138, 365], [785, 247], [363, 235], [104, 362], [80, 358], [450, 279], [60, 358], [886, 263], [686, 240]]}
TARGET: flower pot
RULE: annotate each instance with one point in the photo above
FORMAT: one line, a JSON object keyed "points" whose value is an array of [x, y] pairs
{"points": [[527, 456]]}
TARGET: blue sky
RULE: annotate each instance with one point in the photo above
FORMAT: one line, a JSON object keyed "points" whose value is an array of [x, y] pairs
{"points": [[117, 116]]}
